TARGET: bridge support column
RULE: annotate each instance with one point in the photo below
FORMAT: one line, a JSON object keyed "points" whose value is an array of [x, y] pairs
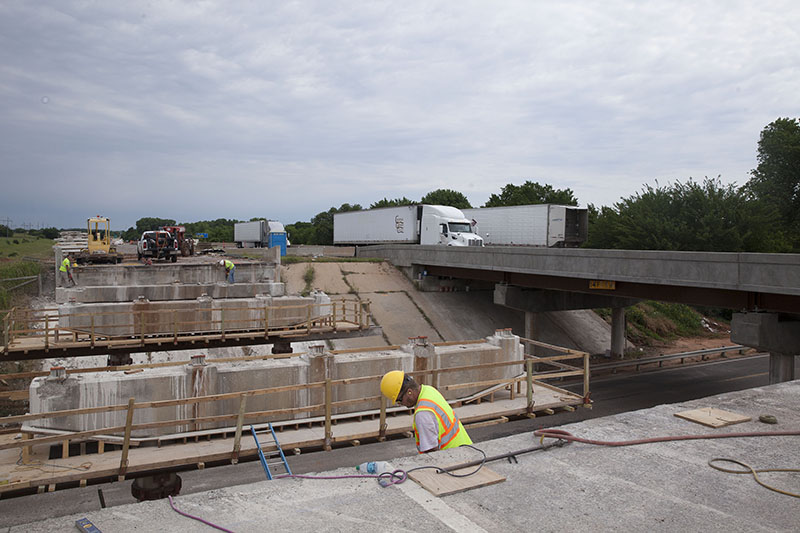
{"points": [[781, 367], [774, 333], [618, 332], [530, 330]]}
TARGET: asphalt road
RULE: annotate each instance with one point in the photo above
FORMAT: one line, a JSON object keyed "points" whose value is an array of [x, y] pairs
{"points": [[611, 395]]}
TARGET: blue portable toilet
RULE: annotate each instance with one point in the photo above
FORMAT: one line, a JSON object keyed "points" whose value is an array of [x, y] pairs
{"points": [[277, 236]]}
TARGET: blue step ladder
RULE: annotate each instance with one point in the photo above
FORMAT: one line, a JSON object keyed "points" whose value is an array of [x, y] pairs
{"points": [[275, 467]]}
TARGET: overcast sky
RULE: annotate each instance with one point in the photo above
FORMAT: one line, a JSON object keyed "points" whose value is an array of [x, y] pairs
{"points": [[205, 110]]}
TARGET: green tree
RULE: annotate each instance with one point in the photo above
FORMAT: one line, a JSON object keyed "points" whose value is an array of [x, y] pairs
{"points": [[446, 197], [300, 232], [323, 223], [688, 216], [391, 203], [531, 193], [776, 180], [152, 224]]}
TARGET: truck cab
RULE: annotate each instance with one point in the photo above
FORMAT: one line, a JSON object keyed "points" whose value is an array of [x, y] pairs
{"points": [[447, 226]]}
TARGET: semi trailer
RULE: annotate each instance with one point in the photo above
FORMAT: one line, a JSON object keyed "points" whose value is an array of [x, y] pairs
{"points": [[410, 224], [546, 225], [260, 234]]}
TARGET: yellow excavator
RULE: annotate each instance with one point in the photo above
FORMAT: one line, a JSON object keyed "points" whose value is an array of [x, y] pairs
{"points": [[99, 249]]}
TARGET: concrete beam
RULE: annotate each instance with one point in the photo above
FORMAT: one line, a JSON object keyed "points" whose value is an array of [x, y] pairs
{"points": [[171, 292], [542, 300], [771, 332]]}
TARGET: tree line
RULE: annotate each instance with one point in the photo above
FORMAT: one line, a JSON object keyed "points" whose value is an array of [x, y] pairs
{"points": [[763, 215]]}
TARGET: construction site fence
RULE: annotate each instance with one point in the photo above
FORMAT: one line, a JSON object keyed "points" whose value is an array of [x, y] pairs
{"points": [[323, 411]]}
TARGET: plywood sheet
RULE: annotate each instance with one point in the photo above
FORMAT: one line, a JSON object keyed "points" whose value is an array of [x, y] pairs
{"points": [[444, 484], [713, 417]]}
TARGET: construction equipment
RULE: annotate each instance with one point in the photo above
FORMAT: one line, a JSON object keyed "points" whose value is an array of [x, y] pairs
{"points": [[99, 248], [185, 244], [274, 468]]}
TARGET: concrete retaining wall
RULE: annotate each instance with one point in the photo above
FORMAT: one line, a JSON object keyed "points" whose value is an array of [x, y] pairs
{"points": [[115, 388]]}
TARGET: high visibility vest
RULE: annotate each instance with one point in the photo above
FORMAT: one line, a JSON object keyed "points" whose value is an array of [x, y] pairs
{"points": [[64, 264], [229, 265], [451, 432]]}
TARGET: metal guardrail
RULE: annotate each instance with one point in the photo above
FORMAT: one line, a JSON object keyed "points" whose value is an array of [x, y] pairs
{"points": [[668, 357]]}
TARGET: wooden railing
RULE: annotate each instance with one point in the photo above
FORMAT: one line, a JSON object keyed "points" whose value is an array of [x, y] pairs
{"points": [[326, 408], [43, 325]]}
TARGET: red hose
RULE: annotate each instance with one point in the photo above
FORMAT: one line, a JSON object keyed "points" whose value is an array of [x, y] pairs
{"points": [[565, 435]]}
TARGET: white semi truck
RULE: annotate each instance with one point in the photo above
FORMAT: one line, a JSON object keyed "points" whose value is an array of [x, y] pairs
{"points": [[546, 225], [260, 234], [411, 224]]}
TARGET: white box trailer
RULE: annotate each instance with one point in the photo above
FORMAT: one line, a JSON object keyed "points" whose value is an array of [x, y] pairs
{"points": [[411, 224], [250, 234], [546, 225]]}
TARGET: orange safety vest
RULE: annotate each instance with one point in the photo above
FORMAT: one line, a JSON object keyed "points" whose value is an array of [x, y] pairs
{"points": [[451, 432]]}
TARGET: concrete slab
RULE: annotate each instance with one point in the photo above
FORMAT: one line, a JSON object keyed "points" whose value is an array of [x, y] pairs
{"points": [[400, 318], [328, 278], [655, 487]]}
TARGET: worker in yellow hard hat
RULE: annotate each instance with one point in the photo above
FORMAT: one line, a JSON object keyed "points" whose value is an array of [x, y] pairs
{"points": [[230, 268], [436, 425]]}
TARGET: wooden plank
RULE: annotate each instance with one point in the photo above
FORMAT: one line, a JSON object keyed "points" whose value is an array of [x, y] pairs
{"points": [[713, 417], [443, 484]]}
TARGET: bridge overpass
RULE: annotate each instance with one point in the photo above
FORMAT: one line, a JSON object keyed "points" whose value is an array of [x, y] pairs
{"points": [[763, 289]]}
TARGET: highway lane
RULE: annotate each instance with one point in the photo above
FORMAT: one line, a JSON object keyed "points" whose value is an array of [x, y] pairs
{"points": [[612, 394]]}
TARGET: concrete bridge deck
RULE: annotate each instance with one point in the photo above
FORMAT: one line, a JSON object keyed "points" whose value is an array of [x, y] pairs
{"points": [[765, 282]]}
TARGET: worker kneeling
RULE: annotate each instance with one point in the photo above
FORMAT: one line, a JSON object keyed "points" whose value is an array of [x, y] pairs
{"points": [[436, 425]]}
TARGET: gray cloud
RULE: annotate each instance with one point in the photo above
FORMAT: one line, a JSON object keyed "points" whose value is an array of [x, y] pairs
{"points": [[201, 110]]}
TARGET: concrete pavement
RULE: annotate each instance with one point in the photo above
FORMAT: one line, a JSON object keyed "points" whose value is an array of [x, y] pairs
{"points": [[656, 487]]}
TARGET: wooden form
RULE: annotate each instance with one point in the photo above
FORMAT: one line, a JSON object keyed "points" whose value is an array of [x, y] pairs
{"points": [[713, 417], [503, 387], [441, 484]]}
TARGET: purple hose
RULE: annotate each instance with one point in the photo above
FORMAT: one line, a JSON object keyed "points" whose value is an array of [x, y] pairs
{"points": [[187, 515]]}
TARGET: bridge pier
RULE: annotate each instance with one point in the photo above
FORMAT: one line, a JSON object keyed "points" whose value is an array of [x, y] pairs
{"points": [[534, 301], [618, 332], [774, 333]]}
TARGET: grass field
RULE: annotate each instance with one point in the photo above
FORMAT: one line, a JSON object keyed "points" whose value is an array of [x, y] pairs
{"points": [[20, 245]]}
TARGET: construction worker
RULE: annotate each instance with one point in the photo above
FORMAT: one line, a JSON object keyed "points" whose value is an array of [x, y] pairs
{"points": [[65, 271], [229, 269], [436, 425]]}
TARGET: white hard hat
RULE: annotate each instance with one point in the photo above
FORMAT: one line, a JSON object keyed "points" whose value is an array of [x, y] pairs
{"points": [[222, 262]]}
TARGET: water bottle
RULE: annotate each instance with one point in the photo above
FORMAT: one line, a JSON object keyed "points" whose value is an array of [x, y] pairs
{"points": [[374, 467]]}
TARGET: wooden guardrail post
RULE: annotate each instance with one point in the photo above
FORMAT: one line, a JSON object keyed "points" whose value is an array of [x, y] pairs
{"points": [[308, 318], [175, 326], [91, 316], [328, 400], [333, 315], [222, 321], [529, 383], [141, 325], [26, 450], [383, 425], [237, 440], [266, 321], [586, 401], [123, 462], [46, 332]]}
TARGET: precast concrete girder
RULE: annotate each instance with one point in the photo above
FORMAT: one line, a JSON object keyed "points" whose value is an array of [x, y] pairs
{"points": [[544, 300], [774, 333], [691, 295]]}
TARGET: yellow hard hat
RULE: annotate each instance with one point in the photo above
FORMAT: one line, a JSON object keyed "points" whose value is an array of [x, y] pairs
{"points": [[391, 384]]}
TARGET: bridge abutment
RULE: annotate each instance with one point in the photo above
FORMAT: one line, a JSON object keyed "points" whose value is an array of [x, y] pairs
{"points": [[774, 333]]}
